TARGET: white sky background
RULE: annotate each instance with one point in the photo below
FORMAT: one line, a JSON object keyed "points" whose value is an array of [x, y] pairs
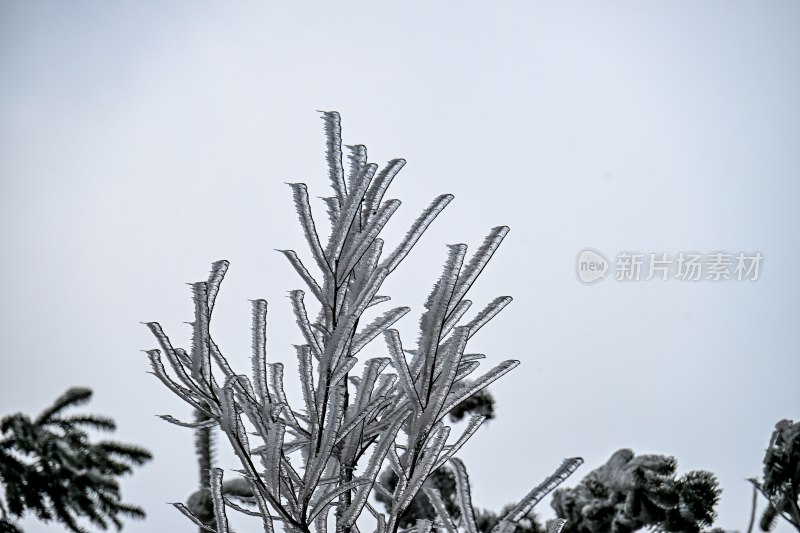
{"points": [[139, 142]]}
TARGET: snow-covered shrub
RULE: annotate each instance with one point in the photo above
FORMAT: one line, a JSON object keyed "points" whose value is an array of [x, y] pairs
{"points": [[299, 463], [632, 492]]}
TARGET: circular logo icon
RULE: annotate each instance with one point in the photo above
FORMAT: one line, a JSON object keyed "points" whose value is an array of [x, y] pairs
{"points": [[591, 266]]}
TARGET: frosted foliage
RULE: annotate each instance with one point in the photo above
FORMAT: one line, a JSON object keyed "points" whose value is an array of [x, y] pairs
{"points": [[781, 484], [300, 462], [632, 492]]}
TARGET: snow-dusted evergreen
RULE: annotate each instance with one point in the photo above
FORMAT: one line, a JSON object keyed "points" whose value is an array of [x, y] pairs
{"points": [[50, 468], [634, 492], [781, 483], [302, 462]]}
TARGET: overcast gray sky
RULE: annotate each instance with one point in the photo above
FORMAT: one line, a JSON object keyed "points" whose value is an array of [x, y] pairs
{"points": [[141, 141]]}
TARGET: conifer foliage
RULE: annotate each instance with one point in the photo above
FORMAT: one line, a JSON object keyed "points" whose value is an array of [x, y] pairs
{"points": [[302, 462], [781, 484], [632, 492], [48, 466], [628, 493]]}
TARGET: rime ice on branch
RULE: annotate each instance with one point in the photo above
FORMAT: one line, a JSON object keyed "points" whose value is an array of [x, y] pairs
{"points": [[301, 462]]}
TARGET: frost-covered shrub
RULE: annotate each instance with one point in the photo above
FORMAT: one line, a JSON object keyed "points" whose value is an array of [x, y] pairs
{"points": [[632, 492], [301, 462], [628, 493]]}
